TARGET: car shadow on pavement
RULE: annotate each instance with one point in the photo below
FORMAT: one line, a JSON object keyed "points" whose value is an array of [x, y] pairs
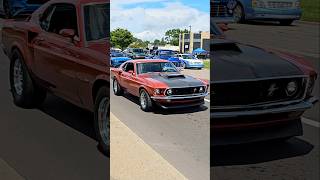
{"points": [[159, 110], [69, 114], [258, 152], [266, 23]]}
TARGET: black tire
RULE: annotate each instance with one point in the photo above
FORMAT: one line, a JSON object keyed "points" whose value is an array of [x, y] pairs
{"points": [[238, 14], [102, 119], [28, 94], [146, 103], [286, 22], [6, 8], [117, 89]]}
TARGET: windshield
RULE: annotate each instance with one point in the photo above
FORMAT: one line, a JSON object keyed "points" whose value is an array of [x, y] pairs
{"points": [[155, 67], [137, 50], [188, 57], [96, 20], [117, 54], [166, 53]]}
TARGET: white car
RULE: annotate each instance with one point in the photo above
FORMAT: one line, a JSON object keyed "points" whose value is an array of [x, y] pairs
{"points": [[190, 61]]}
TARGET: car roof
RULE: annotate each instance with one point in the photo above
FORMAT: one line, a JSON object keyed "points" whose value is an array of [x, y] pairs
{"points": [[147, 60]]}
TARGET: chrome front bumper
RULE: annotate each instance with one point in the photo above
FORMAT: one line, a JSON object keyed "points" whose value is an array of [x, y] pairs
{"points": [[301, 106], [180, 97]]}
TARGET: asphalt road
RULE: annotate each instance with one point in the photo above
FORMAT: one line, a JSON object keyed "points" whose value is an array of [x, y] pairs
{"points": [[298, 158], [53, 142], [181, 137]]}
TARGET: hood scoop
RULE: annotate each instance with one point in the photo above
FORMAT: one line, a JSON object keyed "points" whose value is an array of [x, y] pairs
{"points": [[171, 75]]}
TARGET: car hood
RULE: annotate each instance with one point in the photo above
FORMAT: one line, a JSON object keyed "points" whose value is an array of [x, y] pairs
{"points": [[193, 60], [120, 58], [233, 61], [173, 79]]}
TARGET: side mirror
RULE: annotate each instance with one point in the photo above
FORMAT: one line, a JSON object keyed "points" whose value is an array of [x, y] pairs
{"points": [[70, 33], [131, 72]]}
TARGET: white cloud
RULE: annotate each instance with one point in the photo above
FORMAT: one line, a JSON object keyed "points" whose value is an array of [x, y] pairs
{"points": [[151, 23]]}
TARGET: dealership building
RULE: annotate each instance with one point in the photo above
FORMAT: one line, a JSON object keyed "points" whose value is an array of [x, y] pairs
{"points": [[191, 41]]}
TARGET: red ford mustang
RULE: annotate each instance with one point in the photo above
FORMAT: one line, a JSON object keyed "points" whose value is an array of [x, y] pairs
{"points": [[158, 82]]}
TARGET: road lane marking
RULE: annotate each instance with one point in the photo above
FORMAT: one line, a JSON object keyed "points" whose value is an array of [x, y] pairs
{"points": [[8, 173], [310, 122], [132, 158]]}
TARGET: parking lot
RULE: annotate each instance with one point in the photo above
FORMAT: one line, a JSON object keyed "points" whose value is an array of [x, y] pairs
{"points": [[181, 137], [299, 157]]}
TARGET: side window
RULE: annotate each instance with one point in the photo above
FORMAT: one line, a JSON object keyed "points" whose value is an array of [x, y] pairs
{"points": [[129, 67], [46, 17], [124, 67], [62, 16]]}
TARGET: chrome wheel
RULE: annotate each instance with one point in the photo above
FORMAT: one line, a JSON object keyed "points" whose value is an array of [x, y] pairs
{"points": [[103, 120], [115, 86], [18, 77], [237, 13], [143, 100]]}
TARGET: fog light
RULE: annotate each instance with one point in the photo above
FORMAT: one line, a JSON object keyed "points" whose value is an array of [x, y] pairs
{"points": [[292, 88], [157, 91]]}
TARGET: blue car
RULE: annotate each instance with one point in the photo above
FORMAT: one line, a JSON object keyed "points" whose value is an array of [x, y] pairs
{"points": [[284, 11], [168, 55], [117, 58], [12, 8]]}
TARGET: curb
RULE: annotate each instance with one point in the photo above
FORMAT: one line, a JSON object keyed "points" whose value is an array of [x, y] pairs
{"points": [[132, 158]]}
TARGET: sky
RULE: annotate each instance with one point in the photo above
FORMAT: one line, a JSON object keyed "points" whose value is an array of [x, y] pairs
{"points": [[150, 19]]}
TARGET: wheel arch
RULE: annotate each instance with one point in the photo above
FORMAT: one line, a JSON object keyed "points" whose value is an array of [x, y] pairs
{"points": [[97, 85]]}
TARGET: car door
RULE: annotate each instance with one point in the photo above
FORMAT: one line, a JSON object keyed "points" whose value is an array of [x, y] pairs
{"points": [[55, 54], [127, 76]]}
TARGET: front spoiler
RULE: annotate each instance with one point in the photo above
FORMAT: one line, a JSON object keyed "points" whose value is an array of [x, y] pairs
{"points": [[302, 106]]}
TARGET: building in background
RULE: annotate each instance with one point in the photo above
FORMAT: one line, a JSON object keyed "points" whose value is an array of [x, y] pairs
{"points": [[191, 41]]}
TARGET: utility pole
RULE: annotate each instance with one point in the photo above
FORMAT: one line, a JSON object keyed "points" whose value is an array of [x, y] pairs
{"points": [[190, 29]]}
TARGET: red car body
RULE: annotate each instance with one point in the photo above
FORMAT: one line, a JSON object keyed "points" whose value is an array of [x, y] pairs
{"points": [[62, 48], [71, 70], [133, 83]]}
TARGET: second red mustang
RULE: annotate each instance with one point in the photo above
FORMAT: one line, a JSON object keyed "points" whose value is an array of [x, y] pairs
{"points": [[158, 82]]}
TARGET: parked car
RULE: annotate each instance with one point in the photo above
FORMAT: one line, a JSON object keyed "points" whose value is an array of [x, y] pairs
{"points": [[284, 11], [12, 8], [189, 61], [168, 55], [158, 82], [62, 49], [117, 58], [257, 94], [135, 53]]}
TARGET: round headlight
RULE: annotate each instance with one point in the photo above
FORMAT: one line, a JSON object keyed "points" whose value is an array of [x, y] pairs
{"points": [[169, 92], [201, 89], [292, 88]]}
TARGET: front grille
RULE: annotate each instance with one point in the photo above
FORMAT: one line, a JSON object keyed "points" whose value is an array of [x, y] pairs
{"points": [[186, 91], [279, 5], [218, 10], [255, 92]]}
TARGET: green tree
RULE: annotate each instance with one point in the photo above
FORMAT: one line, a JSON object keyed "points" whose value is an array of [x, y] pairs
{"points": [[121, 38], [138, 43], [172, 36], [156, 42]]}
